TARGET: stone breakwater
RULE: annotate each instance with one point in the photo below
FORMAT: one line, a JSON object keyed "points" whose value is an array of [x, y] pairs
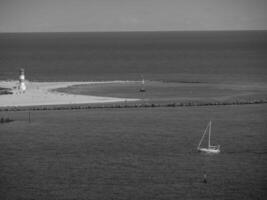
{"points": [[126, 105]]}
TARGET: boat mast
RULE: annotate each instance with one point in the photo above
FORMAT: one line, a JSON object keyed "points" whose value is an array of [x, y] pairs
{"points": [[209, 132]]}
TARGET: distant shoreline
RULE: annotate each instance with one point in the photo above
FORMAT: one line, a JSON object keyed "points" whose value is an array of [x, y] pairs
{"points": [[147, 31], [125, 94]]}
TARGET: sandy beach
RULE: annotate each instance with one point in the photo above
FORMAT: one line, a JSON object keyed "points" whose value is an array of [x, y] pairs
{"points": [[42, 93]]}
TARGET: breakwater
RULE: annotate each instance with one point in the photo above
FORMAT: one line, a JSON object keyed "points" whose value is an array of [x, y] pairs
{"points": [[129, 105]]}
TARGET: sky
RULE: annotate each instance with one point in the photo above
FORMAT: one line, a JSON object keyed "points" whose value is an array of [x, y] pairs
{"points": [[131, 15]]}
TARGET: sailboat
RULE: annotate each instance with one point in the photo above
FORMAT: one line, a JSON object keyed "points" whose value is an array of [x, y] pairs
{"points": [[142, 89], [209, 149]]}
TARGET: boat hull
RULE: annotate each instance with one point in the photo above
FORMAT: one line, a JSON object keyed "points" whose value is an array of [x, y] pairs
{"points": [[206, 150]]}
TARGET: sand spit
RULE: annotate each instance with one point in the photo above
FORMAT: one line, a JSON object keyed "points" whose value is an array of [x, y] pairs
{"points": [[40, 93]]}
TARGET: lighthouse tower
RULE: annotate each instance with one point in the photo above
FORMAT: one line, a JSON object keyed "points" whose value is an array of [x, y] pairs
{"points": [[22, 86]]}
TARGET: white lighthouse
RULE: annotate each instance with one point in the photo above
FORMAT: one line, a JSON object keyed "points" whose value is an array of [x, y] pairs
{"points": [[22, 86]]}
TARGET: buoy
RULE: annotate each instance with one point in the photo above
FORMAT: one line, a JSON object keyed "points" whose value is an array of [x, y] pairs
{"points": [[205, 178]]}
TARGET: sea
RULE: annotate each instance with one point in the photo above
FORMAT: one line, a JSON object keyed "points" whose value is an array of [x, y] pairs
{"points": [[135, 153], [186, 56]]}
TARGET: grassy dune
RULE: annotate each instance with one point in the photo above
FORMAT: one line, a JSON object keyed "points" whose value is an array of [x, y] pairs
{"points": [[133, 154]]}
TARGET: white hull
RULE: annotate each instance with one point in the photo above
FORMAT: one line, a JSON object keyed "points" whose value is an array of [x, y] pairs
{"points": [[206, 150]]}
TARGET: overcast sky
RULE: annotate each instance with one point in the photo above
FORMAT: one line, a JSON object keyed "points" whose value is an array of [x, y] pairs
{"points": [[131, 15]]}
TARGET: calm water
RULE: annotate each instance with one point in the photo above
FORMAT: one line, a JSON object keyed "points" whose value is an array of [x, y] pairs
{"points": [[134, 153], [174, 56]]}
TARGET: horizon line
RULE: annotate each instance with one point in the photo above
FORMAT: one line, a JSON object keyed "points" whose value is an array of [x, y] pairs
{"points": [[140, 31]]}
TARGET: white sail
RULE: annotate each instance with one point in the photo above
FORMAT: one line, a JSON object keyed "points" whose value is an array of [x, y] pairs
{"points": [[209, 133], [201, 140]]}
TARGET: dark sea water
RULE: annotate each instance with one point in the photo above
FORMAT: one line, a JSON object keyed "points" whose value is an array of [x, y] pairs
{"points": [[140, 153], [231, 56]]}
